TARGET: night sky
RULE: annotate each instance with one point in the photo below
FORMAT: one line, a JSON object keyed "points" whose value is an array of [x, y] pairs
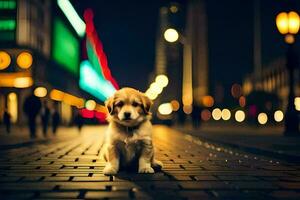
{"points": [[128, 28]]}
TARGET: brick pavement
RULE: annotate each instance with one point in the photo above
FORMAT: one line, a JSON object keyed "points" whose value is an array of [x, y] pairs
{"points": [[193, 169]]}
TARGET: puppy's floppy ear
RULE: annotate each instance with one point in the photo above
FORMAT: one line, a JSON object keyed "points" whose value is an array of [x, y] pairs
{"points": [[146, 103], [109, 103]]}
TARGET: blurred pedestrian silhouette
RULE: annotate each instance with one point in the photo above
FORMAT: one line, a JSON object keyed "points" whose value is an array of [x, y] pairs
{"points": [[196, 115], [32, 107], [78, 121], [6, 120], [181, 116], [55, 118], [45, 116]]}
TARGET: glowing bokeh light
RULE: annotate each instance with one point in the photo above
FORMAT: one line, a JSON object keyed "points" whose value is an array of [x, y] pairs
{"points": [[205, 115], [236, 90], [278, 116], [242, 101], [297, 103], [226, 114], [40, 91], [208, 101], [162, 80], [217, 114], [175, 105], [165, 109], [239, 116], [90, 105], [171, 35], [4, 60], [24, 60], [187, 109], [23, 82], [156, 88], [262, 118]]}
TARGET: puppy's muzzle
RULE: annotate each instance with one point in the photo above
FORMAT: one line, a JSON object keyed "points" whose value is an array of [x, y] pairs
{"points": [[127, 116]]}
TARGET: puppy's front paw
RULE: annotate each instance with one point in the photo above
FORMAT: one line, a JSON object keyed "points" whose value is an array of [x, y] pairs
{"points": [[109, 170], [146, 170]]}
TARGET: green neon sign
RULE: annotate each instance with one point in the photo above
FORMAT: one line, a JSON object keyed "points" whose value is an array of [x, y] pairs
{"points": [[7, 24], [65, 49], [7, 4]]}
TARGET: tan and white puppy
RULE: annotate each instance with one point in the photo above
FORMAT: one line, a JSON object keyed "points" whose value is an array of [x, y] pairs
{"points": [[129, 134]]}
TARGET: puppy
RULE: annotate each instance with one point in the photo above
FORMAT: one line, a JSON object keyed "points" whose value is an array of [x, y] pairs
{"points": [[129, 134]]}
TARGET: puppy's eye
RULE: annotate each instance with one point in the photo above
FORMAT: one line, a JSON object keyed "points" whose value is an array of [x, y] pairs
{"points": [[119, 104], [135, 104]]}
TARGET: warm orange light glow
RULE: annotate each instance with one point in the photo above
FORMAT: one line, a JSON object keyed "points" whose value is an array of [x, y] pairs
{"points": [[242, 101], [297, 103], [175, 105], [290, 39], [40, 92], [4, 60], [282, 22], [23, 82], [67, 98], [56, 95], [101, 108], [288, 23], [12, 105], [187, 109], [24, 60], [294, 22], [208, 101]]}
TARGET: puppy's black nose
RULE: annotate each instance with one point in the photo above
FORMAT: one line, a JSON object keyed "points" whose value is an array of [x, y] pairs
{"points": [[127, 115]]}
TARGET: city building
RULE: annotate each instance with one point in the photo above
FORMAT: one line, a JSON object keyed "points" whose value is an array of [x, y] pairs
{"points": [[41, 48]]}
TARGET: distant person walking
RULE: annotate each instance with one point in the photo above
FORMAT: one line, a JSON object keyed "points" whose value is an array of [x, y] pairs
{"points": [[196, 115], [32, 107], [7, 120], [45, 116], [55, 119], [78, 121]]}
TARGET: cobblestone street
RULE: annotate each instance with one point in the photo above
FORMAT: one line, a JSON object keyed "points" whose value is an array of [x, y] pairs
{"points": [[193, 169]]}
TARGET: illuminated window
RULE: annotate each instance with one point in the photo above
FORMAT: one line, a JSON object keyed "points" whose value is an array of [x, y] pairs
{"points": [[8, 4], [7, 24]]}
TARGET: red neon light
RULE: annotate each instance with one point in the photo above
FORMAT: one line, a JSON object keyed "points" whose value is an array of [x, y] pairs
{"points": [[85, 113], [98, 46]]}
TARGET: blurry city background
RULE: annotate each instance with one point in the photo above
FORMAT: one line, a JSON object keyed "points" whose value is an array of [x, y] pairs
{"points": [[201, 62]]}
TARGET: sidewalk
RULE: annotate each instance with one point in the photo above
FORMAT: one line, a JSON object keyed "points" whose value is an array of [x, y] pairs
{"points": [[19, 136], [262, 140]]}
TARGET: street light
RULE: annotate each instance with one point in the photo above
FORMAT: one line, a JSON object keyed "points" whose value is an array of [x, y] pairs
{"points": [[171, 35], [288, 24]]}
